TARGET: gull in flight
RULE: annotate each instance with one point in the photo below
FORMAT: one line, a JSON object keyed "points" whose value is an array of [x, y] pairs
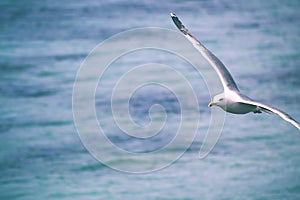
{"points": [[231, 100]]}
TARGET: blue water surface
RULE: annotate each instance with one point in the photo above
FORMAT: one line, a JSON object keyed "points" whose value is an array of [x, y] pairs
{"points": [[42, 45]]}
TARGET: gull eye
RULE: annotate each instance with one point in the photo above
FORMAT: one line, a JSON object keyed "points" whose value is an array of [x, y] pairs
{"points": [[221, 99]]}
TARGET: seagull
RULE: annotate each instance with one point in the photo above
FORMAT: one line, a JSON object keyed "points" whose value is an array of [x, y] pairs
{"points": [[230, 100]]}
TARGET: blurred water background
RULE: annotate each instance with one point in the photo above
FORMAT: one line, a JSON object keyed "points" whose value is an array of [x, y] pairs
{"points": [[43, 43]]}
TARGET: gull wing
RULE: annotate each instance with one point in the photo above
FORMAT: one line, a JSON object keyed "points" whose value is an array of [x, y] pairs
{"points": [[269, 109], [223, 73]]}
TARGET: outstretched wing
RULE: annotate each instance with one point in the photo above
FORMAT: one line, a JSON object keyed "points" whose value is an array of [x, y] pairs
{"points": [[223, 73], [269, 109]]}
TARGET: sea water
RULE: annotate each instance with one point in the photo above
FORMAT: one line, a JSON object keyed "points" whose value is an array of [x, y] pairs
{"points": [[42, 45]]}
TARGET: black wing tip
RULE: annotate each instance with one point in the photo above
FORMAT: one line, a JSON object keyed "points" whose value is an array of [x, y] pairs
{"points": [[172, 14], [178, 23]]}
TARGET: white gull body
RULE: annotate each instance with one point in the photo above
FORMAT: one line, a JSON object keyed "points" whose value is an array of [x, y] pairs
{"points": [[231, 100]]}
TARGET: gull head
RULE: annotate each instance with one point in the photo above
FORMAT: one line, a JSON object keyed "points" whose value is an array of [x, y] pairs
{"points": [[219, 100]]}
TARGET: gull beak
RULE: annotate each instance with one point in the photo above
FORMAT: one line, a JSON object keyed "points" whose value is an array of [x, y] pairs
{"points": [[212, 104]]}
